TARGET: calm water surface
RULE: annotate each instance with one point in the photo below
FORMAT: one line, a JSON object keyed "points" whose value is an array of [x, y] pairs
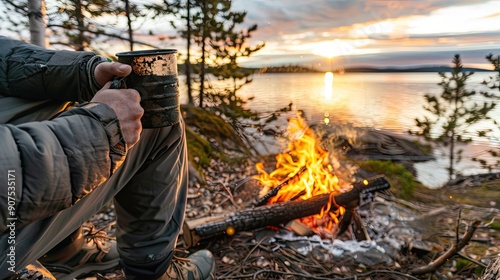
{"points": [[389, 101], [386, 101]]}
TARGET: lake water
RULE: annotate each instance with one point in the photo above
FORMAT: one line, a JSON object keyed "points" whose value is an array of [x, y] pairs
{"points": [[385, 101]]}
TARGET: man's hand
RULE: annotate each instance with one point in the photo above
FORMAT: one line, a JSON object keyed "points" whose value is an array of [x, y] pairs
{"points": [[107, 71], [125, 103]]}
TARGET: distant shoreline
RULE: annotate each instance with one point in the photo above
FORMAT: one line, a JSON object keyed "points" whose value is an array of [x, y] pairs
{"points": [[300, 69]]}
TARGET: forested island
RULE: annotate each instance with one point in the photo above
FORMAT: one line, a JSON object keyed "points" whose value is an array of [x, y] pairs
{"points": [[363, 69]]}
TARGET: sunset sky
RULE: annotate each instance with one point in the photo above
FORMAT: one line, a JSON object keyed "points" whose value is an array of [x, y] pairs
{"points": [[373, 32], [360, 32]]}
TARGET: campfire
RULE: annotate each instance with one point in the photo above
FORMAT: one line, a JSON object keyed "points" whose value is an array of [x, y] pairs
{"points": [[302, 187], [303, 171], [350, 228], [315, 218]]}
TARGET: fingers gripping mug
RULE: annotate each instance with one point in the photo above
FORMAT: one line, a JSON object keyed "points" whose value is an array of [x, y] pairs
{"points": [[154, 76]]}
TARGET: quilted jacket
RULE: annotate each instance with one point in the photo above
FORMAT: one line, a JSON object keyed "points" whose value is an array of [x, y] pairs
{"points": [[47, 166]]}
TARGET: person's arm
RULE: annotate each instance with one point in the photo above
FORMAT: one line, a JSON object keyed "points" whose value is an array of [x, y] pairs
{"points": [[48, 166], [31, 72]]}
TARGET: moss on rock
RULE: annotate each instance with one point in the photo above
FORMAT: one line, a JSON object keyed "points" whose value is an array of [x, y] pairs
{"points": [[210, 137]]}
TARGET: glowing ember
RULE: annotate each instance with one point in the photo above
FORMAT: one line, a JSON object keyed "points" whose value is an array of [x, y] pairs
{"points": [[307, 165]]}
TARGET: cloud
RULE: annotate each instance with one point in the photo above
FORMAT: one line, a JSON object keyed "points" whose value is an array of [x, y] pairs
{"points": [[290, 17], [384, 27], [423, 57]]}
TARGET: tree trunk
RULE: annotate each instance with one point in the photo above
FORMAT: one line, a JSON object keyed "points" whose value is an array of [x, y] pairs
{"points": [[492, 271], [275, 214], [202, 73], [81, 26], [129, 25], [452, 157], [202, 62], [36, 13], [188, 58]]}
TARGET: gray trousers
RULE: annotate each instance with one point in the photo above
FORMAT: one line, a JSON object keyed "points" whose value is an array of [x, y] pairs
{"points": [[149, 192]]}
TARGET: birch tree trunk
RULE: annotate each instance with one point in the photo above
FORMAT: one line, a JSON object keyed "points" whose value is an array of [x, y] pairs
{"points": [[36, 14]]}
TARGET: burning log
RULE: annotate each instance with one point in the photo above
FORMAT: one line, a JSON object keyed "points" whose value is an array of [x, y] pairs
{"points": [[276, 214], [275, 190]]}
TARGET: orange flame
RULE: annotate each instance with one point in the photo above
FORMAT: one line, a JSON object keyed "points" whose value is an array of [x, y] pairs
{"points": [[307, 164]]}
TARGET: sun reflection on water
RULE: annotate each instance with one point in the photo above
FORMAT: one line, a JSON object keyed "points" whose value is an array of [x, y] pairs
{"points": [[328, 85], [326, 120]]}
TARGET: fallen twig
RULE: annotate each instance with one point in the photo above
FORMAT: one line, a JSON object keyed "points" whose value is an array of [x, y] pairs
{"points": [[354, 277], [457, 231], [472, 260], [455, 248], [236, 269]]}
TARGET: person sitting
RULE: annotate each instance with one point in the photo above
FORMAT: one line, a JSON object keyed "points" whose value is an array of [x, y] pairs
{"points": [[69, 144]]}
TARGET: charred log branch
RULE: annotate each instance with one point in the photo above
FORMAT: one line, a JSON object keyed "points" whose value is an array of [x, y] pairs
{"points": [[455, 248], [276, 214], [274, 191]]}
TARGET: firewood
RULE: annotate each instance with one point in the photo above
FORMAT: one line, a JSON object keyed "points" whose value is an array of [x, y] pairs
{"points": [[274, 191], [455, 248], [275, 214]]}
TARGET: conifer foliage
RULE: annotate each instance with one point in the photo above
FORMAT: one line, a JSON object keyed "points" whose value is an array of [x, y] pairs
{"points": [[453, 114], [493, 84]]}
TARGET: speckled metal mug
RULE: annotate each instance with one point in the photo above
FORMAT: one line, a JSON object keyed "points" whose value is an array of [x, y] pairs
{"points": [[154, 76]]}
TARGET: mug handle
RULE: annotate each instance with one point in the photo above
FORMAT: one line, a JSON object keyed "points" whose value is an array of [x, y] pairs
{"points": [[119, 83]]}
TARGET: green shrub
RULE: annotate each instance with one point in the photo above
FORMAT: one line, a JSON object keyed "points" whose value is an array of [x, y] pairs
{"points": [[402, 181]]}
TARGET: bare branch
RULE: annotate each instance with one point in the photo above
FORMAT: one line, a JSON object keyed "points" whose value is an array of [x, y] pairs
{"points": [[102, 33], [455, 248]]}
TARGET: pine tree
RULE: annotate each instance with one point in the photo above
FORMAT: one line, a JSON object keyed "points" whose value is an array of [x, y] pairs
{"points": [[181, 9], [208, 22], [212, 26], [452, 113], [493, 83], [216, 29], [229, 46]]}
